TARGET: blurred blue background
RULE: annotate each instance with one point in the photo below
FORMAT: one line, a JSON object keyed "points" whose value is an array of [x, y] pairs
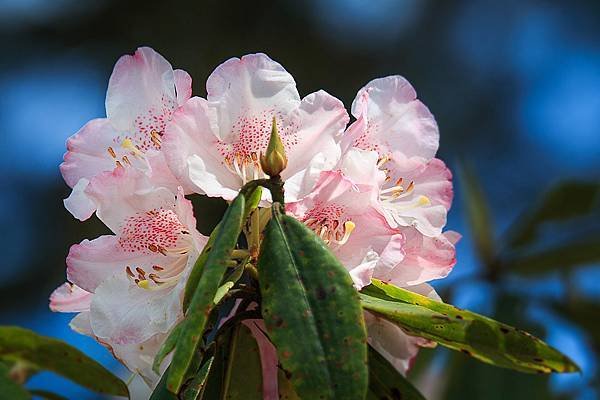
{"points": [[515, 87]]}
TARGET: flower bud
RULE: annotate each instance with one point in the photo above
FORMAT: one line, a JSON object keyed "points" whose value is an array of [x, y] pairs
{"points": [[274, 161]]}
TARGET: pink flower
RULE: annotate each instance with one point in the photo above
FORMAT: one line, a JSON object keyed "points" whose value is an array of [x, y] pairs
{"points": [[213, 145], [143, 92], [129, 285], [344, 212], [390, 120]]}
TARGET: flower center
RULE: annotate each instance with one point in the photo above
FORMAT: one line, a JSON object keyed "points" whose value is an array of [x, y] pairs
{"points": [[330, 223], [156, 232], [399, 190], [250, 137], [149, 128]]}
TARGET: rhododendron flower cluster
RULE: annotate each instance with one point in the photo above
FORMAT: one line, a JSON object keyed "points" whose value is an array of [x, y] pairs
{"points": [[372, 190]]}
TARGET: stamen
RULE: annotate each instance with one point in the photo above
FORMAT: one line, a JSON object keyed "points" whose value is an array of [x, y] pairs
{"points": [[349, 227], [141, 272], [112, 152]]}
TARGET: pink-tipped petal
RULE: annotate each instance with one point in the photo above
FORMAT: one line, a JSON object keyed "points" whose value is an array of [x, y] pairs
{"points": [[247, 90], [141, 94], [125, 192], [70, 298], [190, 148], [183, 86], [313, 129], [390, 118], [426, 259], [91, 262], [89, 151]]}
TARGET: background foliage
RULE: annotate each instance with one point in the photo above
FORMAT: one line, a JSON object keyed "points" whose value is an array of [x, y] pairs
{"points": [[515, 87]]}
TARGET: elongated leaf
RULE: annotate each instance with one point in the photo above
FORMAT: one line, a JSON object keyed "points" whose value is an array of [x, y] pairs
{"points": [[196, 387], [243, 380], [213, 385], [478, 215], [252, 201], [167, 347], [312, 312], [386, 383], [565, 200], [9, 389], [478, 336], [194, 278], [568, 255], [203, 300], [59, 357], [161, 392]]}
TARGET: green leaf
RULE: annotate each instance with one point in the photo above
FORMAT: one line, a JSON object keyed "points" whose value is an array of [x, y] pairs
{"points": [[564, 201], [213, 385], [203, 299], [252, 201], [285, 387], [167, 347], [59, 357], [386, 383], [222, 291], [568, 255], [196, 273], [46, 395], [312, 312], [483, 338], [478, 216], [161, 392], [196, 387], [243, 379], [10, 389]]}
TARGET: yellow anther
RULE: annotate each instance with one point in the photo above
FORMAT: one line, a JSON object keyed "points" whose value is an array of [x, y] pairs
{"points": [[127, 144], [424, 201], [349, 226], [144, 284]]}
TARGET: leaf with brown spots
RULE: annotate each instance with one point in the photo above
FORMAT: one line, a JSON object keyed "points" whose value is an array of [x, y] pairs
{"points": [[483, 338], [312, 313]]}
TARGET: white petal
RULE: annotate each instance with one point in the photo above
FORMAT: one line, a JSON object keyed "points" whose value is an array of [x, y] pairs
{"points": [[141, 91], [124, 313], [390, 118], [253, 87], [78, 203]]}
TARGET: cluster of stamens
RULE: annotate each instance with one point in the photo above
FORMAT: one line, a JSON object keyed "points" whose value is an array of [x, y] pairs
{"points": [[132, 149], [246, 166], [332, 232], [160, 275], [399, 190]]}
